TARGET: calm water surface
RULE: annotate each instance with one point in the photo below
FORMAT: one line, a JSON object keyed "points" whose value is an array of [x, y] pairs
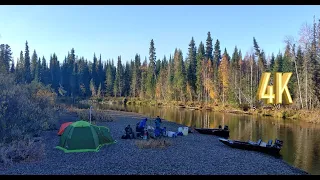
{"points": [[301, 140]]}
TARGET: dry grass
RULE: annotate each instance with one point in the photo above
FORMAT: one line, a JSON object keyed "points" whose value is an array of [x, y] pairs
{"points": [[22, 150], [153, 143], [97, 115], [310, 116]]}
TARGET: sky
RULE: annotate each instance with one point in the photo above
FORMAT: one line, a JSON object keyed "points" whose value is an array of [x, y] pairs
{"points": [[126, 30]]}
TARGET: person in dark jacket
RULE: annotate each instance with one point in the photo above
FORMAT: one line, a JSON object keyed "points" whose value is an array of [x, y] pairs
{"points": [[158, 122], [129, 133]]}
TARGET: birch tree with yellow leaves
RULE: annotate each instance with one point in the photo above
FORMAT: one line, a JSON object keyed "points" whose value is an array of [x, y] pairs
{"points": [[224, 79]]}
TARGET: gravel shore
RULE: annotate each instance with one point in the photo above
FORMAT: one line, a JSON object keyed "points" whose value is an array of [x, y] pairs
{"points": [[195, 154]]}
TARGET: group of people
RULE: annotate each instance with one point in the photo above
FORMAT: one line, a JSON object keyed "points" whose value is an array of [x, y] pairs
{"points": [[141, 128]]}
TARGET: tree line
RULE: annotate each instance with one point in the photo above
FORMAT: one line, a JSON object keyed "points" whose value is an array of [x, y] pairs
{"points": [[206, 74]]}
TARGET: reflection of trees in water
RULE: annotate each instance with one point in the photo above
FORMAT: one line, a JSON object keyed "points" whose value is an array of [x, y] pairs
{"points": [[301, 140]]}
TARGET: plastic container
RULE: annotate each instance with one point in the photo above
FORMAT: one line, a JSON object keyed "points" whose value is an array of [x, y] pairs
{"points": [[171, 134], [164, 132], [185, 131], [180, 129]]}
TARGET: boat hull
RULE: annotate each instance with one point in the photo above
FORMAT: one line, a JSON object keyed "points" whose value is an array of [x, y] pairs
{"points": [[216, 132], [251, 147]]}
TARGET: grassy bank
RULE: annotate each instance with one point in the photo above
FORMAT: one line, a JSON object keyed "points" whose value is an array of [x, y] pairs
{"points": [[311, 116]]}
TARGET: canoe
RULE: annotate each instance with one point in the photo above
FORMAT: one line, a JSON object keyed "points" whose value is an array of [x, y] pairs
{"points": [[268, 148], [216, 132]]}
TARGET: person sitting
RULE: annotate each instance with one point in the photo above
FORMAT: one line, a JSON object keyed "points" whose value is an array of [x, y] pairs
{"points": [[140, 127], [129, 133], [226, 128], [158, 130], [158, 122]]}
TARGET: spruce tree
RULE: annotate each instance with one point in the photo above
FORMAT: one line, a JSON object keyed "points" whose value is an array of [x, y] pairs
{"points": [[34, 60], [27, 70], [209, 47], [151, 74], [199, 82], [192, 66]]}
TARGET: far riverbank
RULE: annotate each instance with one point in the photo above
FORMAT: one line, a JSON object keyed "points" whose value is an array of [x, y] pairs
{"points": [[310, 116]]}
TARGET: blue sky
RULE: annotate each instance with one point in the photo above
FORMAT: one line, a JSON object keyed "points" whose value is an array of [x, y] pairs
{"points": [[127, 30]]}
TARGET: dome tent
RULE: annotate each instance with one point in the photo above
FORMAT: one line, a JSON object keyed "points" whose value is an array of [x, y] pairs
{"points": [[82, 136], [63, 127]]}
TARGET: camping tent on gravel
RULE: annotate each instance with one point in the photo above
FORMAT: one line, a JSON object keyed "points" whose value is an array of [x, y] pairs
{"points": [[82, 136]]}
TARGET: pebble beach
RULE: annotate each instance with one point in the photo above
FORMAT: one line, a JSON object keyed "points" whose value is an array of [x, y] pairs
{"points": [[194, 154]]}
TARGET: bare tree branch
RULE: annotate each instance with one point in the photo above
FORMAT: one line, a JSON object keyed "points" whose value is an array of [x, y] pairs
{"points": [[305, 36]]}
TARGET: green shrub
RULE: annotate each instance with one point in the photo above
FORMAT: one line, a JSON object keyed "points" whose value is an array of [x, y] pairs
{"points": [[25, 109]]}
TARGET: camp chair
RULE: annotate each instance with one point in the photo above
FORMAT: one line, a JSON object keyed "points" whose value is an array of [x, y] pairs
{"points": [[259, 142], [269, 144], [278, 143]]}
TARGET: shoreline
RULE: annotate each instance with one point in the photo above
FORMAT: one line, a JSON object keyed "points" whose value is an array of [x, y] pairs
{"points": [[192, 154], [309, 116]]}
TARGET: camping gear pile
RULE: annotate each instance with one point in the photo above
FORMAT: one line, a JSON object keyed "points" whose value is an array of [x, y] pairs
{"points": [[82, 136], [145, 132]]}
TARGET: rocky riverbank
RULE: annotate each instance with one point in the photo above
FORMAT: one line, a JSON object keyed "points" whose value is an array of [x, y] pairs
{"points": [[193, 154]]}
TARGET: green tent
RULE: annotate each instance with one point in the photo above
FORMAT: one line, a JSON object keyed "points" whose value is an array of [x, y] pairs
{"points": [[82, 136]]}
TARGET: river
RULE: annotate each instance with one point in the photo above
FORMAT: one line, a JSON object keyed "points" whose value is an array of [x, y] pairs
{"points": [[301, 140]]}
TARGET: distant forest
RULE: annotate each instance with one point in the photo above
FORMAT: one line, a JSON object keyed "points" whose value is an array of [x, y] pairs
{"points": [[207, 74]]}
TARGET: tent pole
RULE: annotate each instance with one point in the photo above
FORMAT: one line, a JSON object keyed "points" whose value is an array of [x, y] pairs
{"points": [[90, 113]]}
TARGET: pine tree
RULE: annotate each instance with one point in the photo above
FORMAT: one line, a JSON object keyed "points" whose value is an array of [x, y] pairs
{"points": [[151, 74], [136, 77], [75, 85], [169, 80], [27, 70], [216, 62], [86, 78], [118, 83], [34, 60], [216, 55], [199, 82], [158, 67], [234, 59], [126, 79], [144, 74], [100, 72], [36, 71], [5, 58], [209, 47], [262, 64], [94, 72], [278, 63], [299, 59], [272, 61], [109, 80], [179, 76], [225, 53], [45, 79], [54, 72], [20, 69], [192, 65]]}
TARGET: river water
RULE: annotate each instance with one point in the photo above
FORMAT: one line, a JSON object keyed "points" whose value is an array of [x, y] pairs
{"points": [[301, 140]]}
